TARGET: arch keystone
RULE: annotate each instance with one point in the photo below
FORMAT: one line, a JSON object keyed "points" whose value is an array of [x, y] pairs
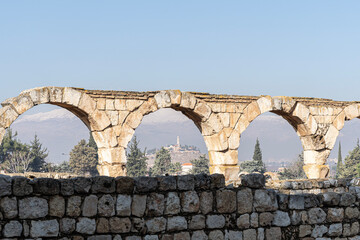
{"points": [[187, 100], [56, 94], [175, 96], [265, 104], [282, 103], [71, 96], [163, 99]]}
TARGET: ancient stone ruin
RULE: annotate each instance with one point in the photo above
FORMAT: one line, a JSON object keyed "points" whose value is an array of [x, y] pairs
{"points": [[190, 207], [113, 116]]}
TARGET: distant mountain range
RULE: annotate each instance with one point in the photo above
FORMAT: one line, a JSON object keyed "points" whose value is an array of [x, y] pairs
{"points": [[59, 130]]}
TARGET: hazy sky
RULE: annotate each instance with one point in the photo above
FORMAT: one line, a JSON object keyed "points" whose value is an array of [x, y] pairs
{"points": [[294, 48]]}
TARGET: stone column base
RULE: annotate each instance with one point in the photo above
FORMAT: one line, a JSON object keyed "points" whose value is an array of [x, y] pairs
{"points": [[230, 171], [112, 170], [314, 171]]}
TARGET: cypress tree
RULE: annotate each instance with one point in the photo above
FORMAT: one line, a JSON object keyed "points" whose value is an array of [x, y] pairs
{"points": [[339, 163], [256, 165], [38, 155], [162, 163], [136, 164]]}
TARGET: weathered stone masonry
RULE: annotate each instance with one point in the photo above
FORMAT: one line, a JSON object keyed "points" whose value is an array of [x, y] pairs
{"points": [[113, 116], [171, 208]]}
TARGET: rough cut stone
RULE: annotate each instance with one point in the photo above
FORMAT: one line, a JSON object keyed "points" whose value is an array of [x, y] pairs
{"points": [[233, 235], [57, 206], [82, 184], [167, 183], [197, 222], [103, 184], [89, 206], [186, 182], [102, 225], [335, 230], [46, 228], [305, 230], [138, 205], [9, 207], [331, 199], [73, 206], [21, 186], [145, 184], [244, 201], [100, 237], [243, 222], [335, 214], [254, 220], [206, 202], [124, 185], [217, 180], [202, 181], [156, 225], [265, 200], [190, 202], [177, 223], [253, 180], [199, 235], [120, 225], [215, 221], [316, 215], [67, 225], [297, 202], [67, 187], [106, 206], [86, 226], [13, 229], [138, 225], [250, 234], [351, 213], [46, 186], [273, 233], [180, 236], [155, 204], [265, 219], [5, 185], [281, 219], [225, 201], [32, 208], [172, 203], [123, 205], [319, 231], [347, 199], [216, 235]]}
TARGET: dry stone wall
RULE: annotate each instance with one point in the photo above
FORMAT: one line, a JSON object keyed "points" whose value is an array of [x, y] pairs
{"points": [[164, 208]]}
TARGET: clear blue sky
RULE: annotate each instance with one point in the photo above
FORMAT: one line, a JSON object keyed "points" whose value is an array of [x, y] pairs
{"points": [[294, 48]]}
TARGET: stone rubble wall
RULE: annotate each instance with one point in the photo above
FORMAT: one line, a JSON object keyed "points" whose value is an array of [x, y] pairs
{"points": [[163, 208]]}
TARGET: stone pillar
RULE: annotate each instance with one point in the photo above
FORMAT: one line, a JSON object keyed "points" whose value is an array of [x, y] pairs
{"points": [[314, 161], [224, 163], [112, 162]]}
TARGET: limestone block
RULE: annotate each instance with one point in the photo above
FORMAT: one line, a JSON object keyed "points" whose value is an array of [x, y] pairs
{"points": [[138, 205], [186, 182], [252, 111], [112, 170], [87, 104], [7, 116], [122, 115], [311, 143], [120, 225], [106, 206], [302, 112], [206, 202], [9, 207], [202, 110], [339, 121], [242, 124], [282, 103], [71, 96], [106, 138], [230, 171], [86, 226], [311, 125], [225, 119], [188, 100], [22, 103], [217, 142], [176, 223], [99, 121], [244, 201], [335, 215], [33, 207], [352, 111], [132, 104], [148, 107], [190, 202], [281, 219], [330, 137], [155, 205], [163, 99], [215, 107], [229, 157], [89, 206], [234, 118], [57, 206], [211, 125], [234, 140], [101, 103], [112, 155], [120, 104], [197, 222], [82, 184], [156, 225], [124, 185], [265, 219], [44, 95], [225, 201], [314, 171], [125, 134], [265, 200], [265, 104], [110, 104], [175, 96], [56, 94], [13, 229], [215, 221], [316, 157], [46, 228], [114, 117], [243, 222], [123, 205], [134, 119], [172, 204]]}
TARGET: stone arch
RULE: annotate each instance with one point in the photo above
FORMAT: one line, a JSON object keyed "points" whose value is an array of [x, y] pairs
{"points": [[73, 99]]}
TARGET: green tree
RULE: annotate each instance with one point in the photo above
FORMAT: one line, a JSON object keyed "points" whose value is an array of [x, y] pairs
{"points": [[339, 163], [295, 171], [11, 144], [83, 159], [175, 168], [38, 155], [351, 166], [136, 164], [256, 164], [162, 163], [200, 165]]}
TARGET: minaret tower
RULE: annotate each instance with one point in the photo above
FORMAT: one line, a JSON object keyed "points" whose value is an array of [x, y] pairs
{"points": [[178, 141]]}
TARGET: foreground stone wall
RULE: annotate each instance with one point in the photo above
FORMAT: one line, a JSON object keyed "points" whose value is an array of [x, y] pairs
{"points": [[183, 207]]}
